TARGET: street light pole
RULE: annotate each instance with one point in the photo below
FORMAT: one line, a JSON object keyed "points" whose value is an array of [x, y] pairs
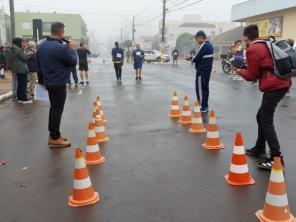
{"points": [[134, 29], [12, 18], [163, 21]]}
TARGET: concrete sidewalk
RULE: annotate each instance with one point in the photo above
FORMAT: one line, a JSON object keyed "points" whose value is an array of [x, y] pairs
{"points": [[5, 87]]}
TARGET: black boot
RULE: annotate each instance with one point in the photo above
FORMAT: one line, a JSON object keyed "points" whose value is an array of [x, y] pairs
{"points": [[256, 152]]}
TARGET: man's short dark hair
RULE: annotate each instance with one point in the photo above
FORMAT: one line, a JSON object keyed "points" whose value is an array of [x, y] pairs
{"points": [[57, 27], [18, 42], [81, 44], [251, 32], [116, 44], [201, 34]]}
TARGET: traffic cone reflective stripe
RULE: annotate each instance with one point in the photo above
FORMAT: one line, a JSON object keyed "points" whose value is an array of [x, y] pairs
{"points": [[239, 171], [213, 141], [83, 193], [100, 130], [175, 108], [276, 207], [197, 122], [93, 154], [186, 117]]}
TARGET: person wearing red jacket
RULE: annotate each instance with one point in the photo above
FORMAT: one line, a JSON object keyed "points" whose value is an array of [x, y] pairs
{"points": [[260, 68]]}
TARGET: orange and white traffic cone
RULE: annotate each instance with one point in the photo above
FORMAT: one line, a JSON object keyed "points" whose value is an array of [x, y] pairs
{"points": [[100, 129], [213, 141], [83, 193], [93, 154], [186, 115], [276, 207], [239, 171], [175, 108], [197, 122], [98, 102]]}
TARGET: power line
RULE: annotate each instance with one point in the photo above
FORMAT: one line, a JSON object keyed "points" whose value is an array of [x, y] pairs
{"points": [[181, 8], [179, 3]]}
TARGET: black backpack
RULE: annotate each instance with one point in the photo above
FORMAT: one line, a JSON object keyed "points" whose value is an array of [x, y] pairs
{"points": [[283, 56]]}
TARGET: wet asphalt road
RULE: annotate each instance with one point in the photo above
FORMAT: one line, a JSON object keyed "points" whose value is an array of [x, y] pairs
{"points": [[154, 171]]}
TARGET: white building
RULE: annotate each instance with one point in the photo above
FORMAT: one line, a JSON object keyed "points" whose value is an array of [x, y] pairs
{"points": [[191, 24], [4, 27]]}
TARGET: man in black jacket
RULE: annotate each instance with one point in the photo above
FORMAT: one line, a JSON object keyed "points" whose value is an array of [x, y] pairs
{"points": [[55, 58]]}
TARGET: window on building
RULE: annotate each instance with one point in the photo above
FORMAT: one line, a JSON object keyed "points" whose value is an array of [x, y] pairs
{"points": [[46, 26], [26, 25]]}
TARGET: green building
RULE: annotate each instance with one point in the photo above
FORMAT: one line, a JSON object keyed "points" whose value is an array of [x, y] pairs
{"points": [[28, 23]]}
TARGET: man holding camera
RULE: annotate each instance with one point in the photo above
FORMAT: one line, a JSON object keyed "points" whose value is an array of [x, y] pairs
{"points": [[55, 58], [261, 68]]}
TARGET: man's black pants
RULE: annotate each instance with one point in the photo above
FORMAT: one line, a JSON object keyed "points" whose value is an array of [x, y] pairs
{"points": [[202, 88], [22, 79], [266, 131], [57, 97], [118, 70]]}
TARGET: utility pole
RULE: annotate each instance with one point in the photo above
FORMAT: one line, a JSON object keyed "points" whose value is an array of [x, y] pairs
{"points": [[163, 21], [121, 32], [134, 29], [12, 18]]}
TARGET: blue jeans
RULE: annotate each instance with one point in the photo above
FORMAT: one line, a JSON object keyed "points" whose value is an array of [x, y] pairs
{"points": [[75, 77], [14, 87]]}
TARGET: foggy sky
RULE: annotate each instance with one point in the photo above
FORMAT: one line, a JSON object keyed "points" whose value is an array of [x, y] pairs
{"points": [[106, 17]]}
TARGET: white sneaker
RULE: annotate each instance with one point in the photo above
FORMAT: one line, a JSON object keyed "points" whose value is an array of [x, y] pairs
{"points": [[27, 102]]}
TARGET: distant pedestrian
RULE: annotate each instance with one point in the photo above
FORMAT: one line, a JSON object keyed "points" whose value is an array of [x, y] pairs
{"points": [[18, 61], [261, 67], [32, 65], [3, 63], [203, 60], [55, 59], [175, 55], [128, 55], [74, 74], [83, 53], [137, 59], [118, 59]]}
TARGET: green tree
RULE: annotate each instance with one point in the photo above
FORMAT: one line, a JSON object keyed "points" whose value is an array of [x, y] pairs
{"points": [[184, 43]]}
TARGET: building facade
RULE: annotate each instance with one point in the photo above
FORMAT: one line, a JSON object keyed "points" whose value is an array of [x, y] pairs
{"points": [[27, 24], [273, 17], [191, 24], [5, 30]]}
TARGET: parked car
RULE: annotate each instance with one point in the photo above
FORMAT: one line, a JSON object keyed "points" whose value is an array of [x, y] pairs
{"points": [[155, 56]]}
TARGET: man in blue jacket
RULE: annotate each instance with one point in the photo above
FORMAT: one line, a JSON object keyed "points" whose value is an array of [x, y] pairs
{"points": [[203, 60], [118, 59], [55, 58]]}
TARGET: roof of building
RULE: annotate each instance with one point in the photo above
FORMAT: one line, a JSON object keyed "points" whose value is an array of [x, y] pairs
{"points": [[198, 25], [229, 36]]}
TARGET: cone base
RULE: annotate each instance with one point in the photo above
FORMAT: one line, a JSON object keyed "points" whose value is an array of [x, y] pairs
{"points": [[262, 218], [95, 162], [250, 182], [76, 203], [197, 131], [103, 140], [208, 147]]}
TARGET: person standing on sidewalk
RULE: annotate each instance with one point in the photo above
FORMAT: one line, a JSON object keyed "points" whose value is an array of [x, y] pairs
{"points": [[3, 63], [203, 60], [55, 58], [261, 67], [175, 55], [32, 65], [83, 52], [137, 59], [117, 59], [18, 61]]}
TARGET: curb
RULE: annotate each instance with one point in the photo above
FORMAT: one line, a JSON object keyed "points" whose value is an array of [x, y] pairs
{"points": [[5, 96]]}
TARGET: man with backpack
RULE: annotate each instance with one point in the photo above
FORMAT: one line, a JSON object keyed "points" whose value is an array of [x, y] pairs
{"points": [[261, 67]]}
